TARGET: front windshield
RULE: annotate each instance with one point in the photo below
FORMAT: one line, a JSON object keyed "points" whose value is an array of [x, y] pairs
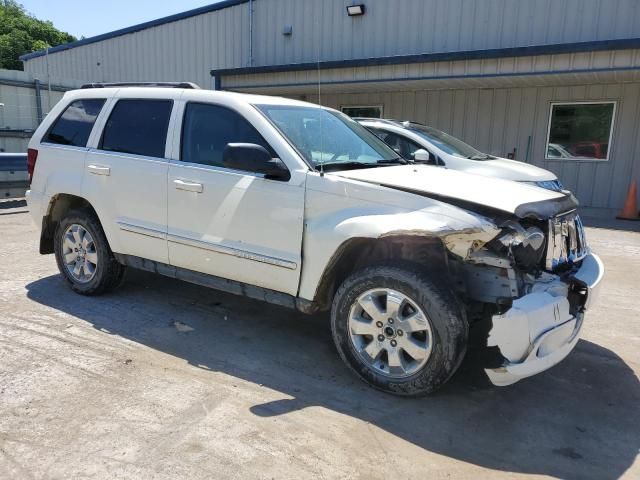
{"points": [[446, 142], [328, 137]]}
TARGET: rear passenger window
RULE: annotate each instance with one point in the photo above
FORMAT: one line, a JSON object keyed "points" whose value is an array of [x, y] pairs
{"points": [[138, 127], [207, 129], [74, 126]]}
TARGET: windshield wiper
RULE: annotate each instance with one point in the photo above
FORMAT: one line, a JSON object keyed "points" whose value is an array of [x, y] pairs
{"points": [[354, 164], [346, 165], [393, 161], [480, 156]]}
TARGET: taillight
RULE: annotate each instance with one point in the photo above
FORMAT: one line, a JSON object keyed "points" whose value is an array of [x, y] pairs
{"points": [[32, 156]]}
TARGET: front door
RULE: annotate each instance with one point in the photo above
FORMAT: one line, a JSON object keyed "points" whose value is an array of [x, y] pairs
{"points": [[228, 223]]}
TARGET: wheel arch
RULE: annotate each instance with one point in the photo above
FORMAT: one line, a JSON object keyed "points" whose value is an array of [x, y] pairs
{"points": [[353, 254], [59, 204]]}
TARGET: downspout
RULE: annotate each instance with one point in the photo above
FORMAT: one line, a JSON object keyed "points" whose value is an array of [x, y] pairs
{"points": [[37, 86], [251, 33], [48, 81]]}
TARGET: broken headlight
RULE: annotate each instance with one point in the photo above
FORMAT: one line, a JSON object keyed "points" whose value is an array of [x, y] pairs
{"points": [[525, 245], [554, 185]]}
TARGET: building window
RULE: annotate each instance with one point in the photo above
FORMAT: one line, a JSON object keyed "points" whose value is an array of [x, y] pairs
{"points": [[580, 130], [363, 111]]}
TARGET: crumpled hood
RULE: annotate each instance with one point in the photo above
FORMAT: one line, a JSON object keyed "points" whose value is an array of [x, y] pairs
{"points": [[521, 199]]}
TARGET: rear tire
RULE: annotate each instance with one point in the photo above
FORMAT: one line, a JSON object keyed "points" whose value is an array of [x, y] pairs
{"points": [[83, 255], [398, 330]]}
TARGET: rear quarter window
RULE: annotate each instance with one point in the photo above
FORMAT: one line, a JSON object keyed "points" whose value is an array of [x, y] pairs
{"points": [[74, 126]]}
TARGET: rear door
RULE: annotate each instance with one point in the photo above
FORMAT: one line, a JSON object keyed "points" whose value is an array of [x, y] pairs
{"points": [[229, 223], [126, 173]]}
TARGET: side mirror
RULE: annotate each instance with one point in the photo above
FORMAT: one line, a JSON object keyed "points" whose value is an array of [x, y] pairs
{"points": [[250, 157], [422, 155]]}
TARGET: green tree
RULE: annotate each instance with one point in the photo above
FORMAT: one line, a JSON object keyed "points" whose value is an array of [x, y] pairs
{"points": [[22, 33]]}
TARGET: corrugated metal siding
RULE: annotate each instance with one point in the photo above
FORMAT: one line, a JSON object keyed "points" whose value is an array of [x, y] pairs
{"points": [[20, 112], [184, 50], [322, 30], [187, 49], [498, 120], [571, 65]]}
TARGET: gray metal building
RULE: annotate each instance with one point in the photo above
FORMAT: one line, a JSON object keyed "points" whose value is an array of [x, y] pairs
{"points": [[24, 100], [555, 83]]}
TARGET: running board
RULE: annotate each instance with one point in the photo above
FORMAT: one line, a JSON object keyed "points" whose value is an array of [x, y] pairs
{"points": [[219, 283]]}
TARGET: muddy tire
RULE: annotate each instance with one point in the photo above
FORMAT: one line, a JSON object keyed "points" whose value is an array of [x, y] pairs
{"points": [[399, 330], [84, 257]]}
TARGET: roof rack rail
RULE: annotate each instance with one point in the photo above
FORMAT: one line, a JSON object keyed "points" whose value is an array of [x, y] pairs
{"points": [[143, 84], [390, 121]]}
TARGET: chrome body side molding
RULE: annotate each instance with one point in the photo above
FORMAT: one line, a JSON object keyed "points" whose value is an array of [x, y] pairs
{"points": [[218, 248], [149, 232], [214, 247]]}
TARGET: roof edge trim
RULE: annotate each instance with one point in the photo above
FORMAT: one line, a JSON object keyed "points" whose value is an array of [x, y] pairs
{"points": [[531, 50], [437, 77]]}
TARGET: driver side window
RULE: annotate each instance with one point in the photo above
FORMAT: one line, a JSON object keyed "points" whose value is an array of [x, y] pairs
{"points": [[207, 129], [402, 146]]}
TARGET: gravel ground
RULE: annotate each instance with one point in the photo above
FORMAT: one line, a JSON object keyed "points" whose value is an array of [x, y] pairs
{"points": [[163, 379]]}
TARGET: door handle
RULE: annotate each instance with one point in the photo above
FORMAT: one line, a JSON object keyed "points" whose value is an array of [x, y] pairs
{"points": [[99, 170], [188, 186]]}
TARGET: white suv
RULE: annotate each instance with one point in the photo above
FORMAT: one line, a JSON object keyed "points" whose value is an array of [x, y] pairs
{"points": [[298, 205]]}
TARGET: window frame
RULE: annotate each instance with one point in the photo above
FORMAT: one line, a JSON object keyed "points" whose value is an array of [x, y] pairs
{"points": [[380, 106], [45, 137], [221, 168], [584, 102], [112, 107]]}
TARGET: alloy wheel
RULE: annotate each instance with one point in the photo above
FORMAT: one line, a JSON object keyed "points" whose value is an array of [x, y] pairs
{"points": [[390, 332], [79, 253]]}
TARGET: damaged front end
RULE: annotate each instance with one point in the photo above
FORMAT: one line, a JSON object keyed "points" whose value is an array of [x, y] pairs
{"points": [[543, 325], [536, 279]]}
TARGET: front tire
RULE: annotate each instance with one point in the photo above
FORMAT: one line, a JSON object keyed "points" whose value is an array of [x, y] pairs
{"points": [[83, 255], [398, 330]]}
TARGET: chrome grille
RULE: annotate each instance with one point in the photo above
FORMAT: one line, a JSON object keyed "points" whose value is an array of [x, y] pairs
{"points": [[566, 242]]}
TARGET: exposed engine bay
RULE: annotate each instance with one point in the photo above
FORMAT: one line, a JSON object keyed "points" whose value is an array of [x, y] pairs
{"points": [[533, 283]]}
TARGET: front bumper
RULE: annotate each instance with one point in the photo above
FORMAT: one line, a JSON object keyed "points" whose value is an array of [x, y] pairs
{"points": [[539, 331]]}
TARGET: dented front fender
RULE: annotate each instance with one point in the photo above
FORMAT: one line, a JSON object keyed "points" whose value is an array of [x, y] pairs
{"points": [[339, 209]]}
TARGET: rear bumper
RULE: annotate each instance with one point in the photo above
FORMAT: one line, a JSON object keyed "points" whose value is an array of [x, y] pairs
{"points": [[539, 331], [34, 203]]}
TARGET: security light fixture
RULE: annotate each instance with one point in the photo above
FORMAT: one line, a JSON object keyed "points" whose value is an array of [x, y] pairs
{"points": [[355, 10]]}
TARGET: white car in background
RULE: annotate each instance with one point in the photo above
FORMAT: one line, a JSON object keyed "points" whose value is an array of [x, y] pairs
{"points": [[555, 150], [420, 143]]}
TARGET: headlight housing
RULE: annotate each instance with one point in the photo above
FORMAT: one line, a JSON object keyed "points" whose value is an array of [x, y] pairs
{"points": [[554, 185], [526, 246]]}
